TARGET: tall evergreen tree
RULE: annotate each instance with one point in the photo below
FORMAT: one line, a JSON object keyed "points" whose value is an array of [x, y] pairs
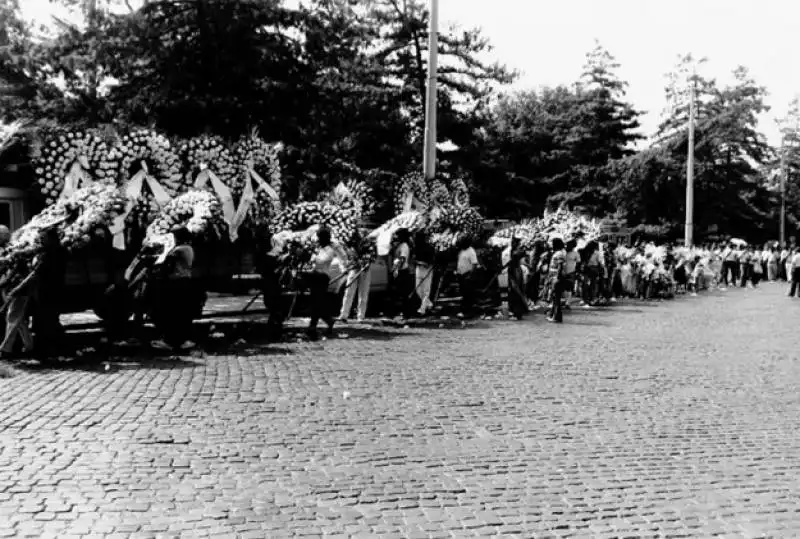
{"points": [[603, 129]]}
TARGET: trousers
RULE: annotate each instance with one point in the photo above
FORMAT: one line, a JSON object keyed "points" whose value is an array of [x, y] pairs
{"points": [[17, 325], [356, 285]]}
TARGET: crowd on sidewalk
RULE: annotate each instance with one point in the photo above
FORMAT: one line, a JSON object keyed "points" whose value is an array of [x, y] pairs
{"points": [[548, 275]]}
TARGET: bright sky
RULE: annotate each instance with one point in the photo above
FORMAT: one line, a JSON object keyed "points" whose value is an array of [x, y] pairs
{"points": [[547, 41]]}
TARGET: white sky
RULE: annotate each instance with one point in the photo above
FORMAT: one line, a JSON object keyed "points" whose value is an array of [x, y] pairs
{"points": [[547, 39]]}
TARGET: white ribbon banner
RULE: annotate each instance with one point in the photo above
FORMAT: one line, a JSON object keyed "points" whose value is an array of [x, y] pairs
{"points": [[76, 178], [248, 198], [133, 190], [221, 190]]}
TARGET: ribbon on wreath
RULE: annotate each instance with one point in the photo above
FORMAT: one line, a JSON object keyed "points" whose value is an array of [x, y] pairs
{"points": [[76, 178], [249, 197], [220, 189], [133, 191]]}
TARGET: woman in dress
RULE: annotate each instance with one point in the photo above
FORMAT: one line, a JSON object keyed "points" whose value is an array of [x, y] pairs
{"points": [[517, 299]]}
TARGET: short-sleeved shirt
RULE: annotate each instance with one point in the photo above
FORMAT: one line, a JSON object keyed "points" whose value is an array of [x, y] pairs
{"points": [[467, 260], [558, 265], [571, 260], [323, 260]]}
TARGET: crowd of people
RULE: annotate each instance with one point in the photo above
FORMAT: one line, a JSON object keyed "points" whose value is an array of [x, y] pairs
{"points": [[547, 275]]}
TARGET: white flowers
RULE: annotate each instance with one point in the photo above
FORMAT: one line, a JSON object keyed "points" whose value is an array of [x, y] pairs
{"points": [[211, 152], [199, 211], [88, 209], [61, 149], [562, 223], [253, 152], [146, 148], [341, 221]]}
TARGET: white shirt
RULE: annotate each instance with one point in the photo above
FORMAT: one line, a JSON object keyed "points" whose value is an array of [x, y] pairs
{"points": [[323, 260], [796, 261], [467, 260]]}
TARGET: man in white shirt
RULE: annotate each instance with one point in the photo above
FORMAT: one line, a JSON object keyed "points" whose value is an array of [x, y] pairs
{"points": [[467, 263]]}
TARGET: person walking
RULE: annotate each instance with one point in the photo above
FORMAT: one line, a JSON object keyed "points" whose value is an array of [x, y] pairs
{"points": [[794, 267], [592, 275], [177, 300], [466, 265], [402, 274], [517, 298], [536, 262], [571, 268], [358, 280], [772, 264], [425, 257], [745, 266], [17, 316], [319, 279], [757, 268], [729, 262], [48, 291], [270, 263], [559, 279]]}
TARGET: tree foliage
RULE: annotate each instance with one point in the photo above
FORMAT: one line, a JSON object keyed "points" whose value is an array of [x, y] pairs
{"points": [[343, 85]]}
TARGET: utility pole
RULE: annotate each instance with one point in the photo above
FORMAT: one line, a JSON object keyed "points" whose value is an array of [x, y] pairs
{"points": [[784, 173], [429, 146], [689, 232], [429, 158]]}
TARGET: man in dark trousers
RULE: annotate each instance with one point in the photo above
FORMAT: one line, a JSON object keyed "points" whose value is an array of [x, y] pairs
{"points": [[51, 268], [179, 298], [560, 280]]}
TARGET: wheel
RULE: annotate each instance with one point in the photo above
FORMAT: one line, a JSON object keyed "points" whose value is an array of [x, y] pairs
{"points": [[114, 307]]}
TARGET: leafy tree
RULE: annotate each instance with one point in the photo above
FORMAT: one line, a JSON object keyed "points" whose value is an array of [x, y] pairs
{"points": [[522, 148], [465, 82], [787, 164], [603, 129], [729, 154]]}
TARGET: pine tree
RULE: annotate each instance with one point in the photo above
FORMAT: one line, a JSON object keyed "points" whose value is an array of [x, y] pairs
{"points": [[603, 130]]}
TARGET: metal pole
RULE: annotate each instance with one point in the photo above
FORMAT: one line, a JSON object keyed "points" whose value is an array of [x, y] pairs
{"points": [[429, 158], [429, 145], [688, 234], [784, 172]]}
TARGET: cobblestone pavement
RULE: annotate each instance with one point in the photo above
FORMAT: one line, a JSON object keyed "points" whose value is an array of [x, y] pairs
{"points": [[674, 419]]}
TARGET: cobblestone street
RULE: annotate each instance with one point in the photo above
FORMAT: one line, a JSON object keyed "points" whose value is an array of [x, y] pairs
{"points": [[673, 419]]}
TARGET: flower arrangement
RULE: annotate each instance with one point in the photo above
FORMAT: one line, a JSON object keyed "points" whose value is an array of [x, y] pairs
{"points": [[412, 183], [341, 221], [59, 149], [252, 150], [155, 152], [207, 151], [198, 210], [77, 218], [352, 195], [569, 225]]}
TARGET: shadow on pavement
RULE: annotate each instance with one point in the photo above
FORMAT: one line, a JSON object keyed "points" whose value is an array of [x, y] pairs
{"points": [[106, 364]]}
